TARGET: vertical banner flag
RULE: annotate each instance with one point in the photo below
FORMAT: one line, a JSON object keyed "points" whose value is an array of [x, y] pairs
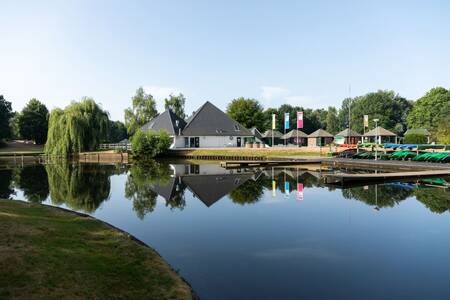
{"points": [[366, 120], [299, 119], [286, 121], [274, 186], [286, 187], [273, 121], [300, 191]]}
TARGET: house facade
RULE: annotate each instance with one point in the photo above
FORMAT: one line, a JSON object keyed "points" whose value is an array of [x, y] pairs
{"points": [[208, 127]]}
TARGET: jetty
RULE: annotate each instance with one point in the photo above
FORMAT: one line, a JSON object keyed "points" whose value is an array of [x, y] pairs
{"points": [[231, 164]]}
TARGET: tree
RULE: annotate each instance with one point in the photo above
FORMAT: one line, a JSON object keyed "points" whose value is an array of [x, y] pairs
{"points": [[14, 126], [248, 112], [332, 123], [81, 126], [33, 122], [150, 144], [5, 115], [117, 132], [431, 110], [311, 118], [142, 111], [176, 104], [443, 131], [390, 108]]}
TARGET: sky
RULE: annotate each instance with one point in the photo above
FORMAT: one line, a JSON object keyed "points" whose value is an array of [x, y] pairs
{"points": [[306, 53]]}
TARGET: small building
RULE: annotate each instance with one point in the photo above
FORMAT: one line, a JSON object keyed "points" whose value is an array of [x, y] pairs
{"points": [[380, 135], [350, 136], [419, 131], [208, 127], [296, 137], [258, 135], [277, 137], [320, 138]]}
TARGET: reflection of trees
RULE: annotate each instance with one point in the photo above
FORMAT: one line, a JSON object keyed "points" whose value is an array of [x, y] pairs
{"points": [[79, 186], [381, 195], [140, 184], [249, 192], [5, 184], [33, 181], [436, 200]]}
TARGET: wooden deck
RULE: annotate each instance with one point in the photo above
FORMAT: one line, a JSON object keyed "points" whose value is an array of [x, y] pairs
{"points": [[343, 178], [266, 163]]}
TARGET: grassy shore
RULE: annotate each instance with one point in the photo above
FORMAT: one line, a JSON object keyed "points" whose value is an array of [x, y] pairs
{"points": [[254, 152], [49, 253], [14, 148]]}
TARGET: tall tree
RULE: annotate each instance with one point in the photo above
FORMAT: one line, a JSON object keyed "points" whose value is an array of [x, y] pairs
{"points": [[176, 104], [390, 108], [6, 114], [248, 112], [117, 132], [142, 111], [33, 122], [332, 123], [431, 110], [81, 126]]}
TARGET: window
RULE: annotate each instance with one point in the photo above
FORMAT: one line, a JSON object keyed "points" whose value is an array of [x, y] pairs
{"points": [[186, 142], [236, 127]]}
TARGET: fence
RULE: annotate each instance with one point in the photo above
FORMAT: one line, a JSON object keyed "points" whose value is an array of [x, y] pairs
{"points": [[121, 146]]}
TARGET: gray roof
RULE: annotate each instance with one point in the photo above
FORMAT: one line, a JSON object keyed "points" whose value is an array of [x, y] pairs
{"points": [[256, 133], [379, 131], [211, 188], [208, 120], [320, 133], [166, 121], [293, 134], [345, 133], [420, 131], [276, 134]]}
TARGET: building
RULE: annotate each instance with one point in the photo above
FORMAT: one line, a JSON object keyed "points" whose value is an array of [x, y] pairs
{"points": [[419, 131], [208, 127], [320, 138], [277, 137], [257, 135], [350, 136], [380, 135], [296, 137]]}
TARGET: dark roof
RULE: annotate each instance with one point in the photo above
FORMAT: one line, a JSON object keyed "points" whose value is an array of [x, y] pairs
{"points": [[256, 133], [420, 131], [208, 120], [380, 131], [165, 189], [166, 121], [211, 188], [320, 133], [293, 134], [345, 133], [276, 134]]}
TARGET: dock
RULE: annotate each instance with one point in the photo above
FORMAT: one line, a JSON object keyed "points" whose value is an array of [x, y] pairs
{"points": [[344, 178], [266, 163]]}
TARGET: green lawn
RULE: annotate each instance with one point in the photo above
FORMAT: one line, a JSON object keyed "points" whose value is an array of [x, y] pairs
{"points": [[11, 148], [48, 253]]}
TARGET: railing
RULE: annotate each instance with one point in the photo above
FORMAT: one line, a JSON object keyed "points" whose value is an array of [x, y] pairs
{"points": [[118, 146]]}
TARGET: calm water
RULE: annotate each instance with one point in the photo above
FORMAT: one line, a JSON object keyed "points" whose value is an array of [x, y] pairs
{"points": [[275, 234]]}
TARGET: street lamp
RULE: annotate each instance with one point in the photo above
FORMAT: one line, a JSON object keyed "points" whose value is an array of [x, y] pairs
{"points": [[376, 137]]}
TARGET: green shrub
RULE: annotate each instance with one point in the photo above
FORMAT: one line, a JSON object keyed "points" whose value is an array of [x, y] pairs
{"points": [[150, 144], [415, 139]]}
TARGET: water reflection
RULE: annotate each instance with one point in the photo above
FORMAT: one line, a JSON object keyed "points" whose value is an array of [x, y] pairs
{"points": [[5, 184], [33, 181]]}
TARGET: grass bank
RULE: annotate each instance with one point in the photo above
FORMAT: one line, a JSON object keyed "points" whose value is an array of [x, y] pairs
{"points": [[255, 152], [49, 253], [15, 148]]}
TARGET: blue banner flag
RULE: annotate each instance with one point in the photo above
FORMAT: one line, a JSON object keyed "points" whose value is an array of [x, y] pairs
{"points": [[286, 121]]}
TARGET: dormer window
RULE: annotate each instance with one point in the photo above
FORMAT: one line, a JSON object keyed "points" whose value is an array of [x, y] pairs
{"points": [[236, 128]]}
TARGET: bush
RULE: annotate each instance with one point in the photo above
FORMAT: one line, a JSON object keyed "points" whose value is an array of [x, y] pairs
{"points": [[415, 139], [150, 144]]}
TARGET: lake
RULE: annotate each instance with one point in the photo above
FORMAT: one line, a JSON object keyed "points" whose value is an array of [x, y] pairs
{"points": [[269, 234]]}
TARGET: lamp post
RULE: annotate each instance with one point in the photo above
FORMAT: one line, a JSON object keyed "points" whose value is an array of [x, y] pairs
{"points": [[376, 137]]}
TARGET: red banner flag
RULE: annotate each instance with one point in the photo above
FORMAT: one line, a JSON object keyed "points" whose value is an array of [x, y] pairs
{"points": [[300, 191], [299, 119]]}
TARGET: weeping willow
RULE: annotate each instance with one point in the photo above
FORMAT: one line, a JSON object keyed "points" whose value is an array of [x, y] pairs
{"points": [[81, 126]]}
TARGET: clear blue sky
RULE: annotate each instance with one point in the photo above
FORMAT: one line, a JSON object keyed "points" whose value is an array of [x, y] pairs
{"points": [[303, 53]]}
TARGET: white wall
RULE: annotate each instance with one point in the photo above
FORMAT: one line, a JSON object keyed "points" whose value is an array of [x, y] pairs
{"points": [[211, 142]]}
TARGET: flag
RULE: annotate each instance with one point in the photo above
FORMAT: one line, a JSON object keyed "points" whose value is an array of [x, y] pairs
{"points": [[274, 186], [286, 121], [299, 119], [300, 191], [366, 120], [286, 187], [273, 121]]}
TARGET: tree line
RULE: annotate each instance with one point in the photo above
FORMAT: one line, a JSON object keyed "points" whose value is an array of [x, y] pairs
{"points": [[82, 125]]}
